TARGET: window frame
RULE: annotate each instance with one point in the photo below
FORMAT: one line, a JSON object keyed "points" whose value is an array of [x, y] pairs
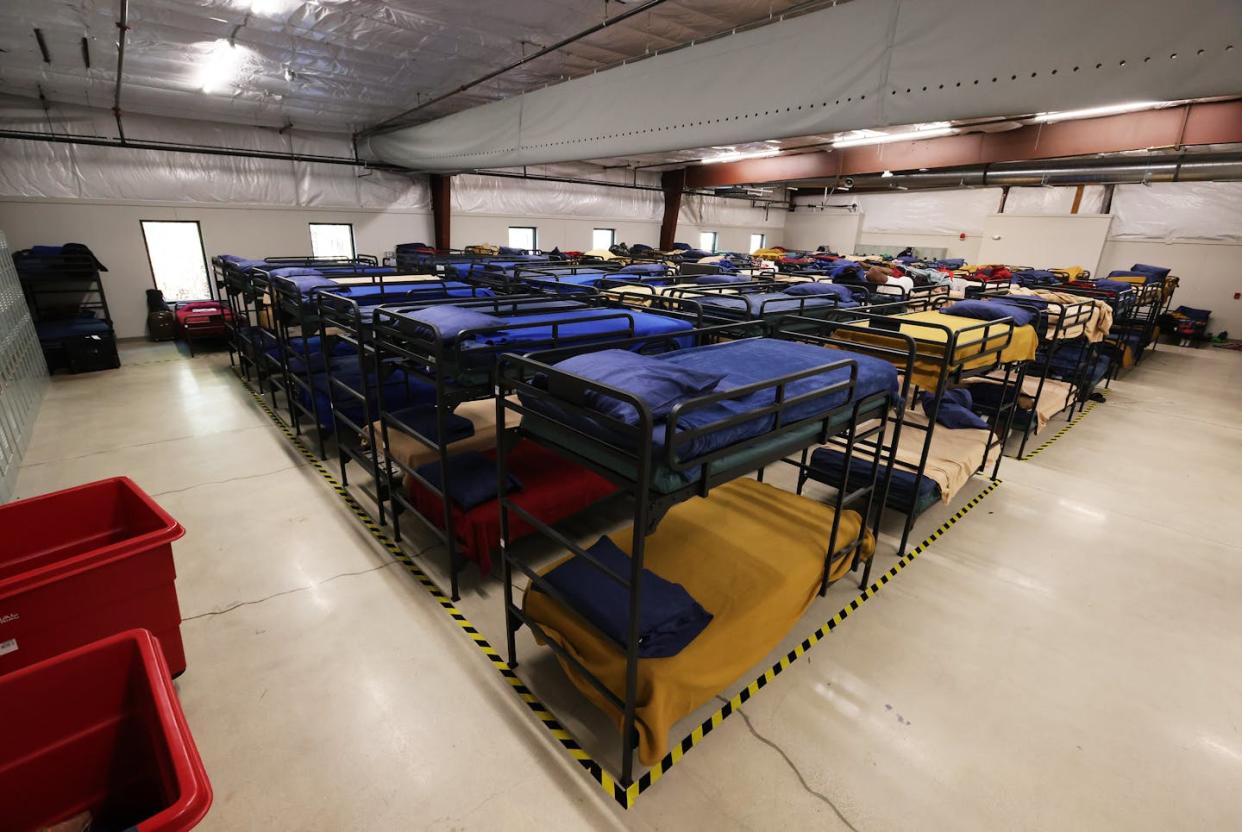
{"points": [[763, 241], [353, 241], [534, 236], [612, 233], [715, 241], [202, 250]]}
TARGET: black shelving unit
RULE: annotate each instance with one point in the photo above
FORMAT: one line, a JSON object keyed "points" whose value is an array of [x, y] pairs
{"points": [[65, 293]]}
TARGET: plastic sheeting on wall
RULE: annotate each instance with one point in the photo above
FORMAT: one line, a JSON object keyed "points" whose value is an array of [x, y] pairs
{"points": [[1054, 200], [534, 197], [925, 212], [1178, 212], [60, 171], [706, 211]]}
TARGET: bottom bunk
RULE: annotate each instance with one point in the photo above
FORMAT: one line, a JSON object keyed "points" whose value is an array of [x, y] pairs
{"points": [[749, 554], [954, 456], [541, 482]]}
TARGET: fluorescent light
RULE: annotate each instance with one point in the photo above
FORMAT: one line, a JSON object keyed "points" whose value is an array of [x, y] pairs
{"points": [[219, 66], [886, 174], [737, 157], [885, 138], [1095, 112]]}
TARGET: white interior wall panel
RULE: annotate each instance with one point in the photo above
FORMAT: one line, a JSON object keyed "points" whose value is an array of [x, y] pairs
{"points": [[1179, 211], [868, 63], [1054, 200], [1045, 241]]}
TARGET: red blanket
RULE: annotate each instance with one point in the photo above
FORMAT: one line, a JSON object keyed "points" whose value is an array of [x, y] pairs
{"points": [[552, 489]]}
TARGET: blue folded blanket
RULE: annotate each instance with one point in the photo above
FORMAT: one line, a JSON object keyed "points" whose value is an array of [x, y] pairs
{"points": [[839, 292], [422, 418], [720, 279], [955, 409], [990, 310], [472, 479], [668, 618]]}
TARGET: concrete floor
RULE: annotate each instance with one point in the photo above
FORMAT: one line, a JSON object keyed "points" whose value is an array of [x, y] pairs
{"points": [[1066, 657]]}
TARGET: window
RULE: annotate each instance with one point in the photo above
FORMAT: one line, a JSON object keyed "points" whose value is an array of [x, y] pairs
{"points": [[523, 237], [178, 262], [707, 240], [758, 241], [332, 239], [603, 239]]}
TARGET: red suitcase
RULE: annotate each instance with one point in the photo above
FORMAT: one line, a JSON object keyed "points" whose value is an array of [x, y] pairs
{"points": [[84, 563]]}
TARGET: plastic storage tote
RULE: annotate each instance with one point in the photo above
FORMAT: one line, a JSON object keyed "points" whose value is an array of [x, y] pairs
{"points": [[99, 729], [83, 563]]}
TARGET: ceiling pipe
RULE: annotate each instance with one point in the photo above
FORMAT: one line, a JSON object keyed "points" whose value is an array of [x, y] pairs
{"points": [[1167, 168], [122, 26], [753, 200], [396, 121]]}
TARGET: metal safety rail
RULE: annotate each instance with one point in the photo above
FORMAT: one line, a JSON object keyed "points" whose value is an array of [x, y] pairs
{"points": [[23, 373]]}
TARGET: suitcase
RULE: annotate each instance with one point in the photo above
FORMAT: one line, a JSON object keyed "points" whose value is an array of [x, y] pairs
{"points": [[88, 353], [162, 325]]}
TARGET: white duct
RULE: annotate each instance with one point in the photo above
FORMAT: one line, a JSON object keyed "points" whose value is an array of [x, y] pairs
{"points": [[860, 64]]}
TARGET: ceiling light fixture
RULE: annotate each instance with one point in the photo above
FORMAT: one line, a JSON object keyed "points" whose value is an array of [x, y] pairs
{"points": [[219, 66], [886, 174], [885, 138], [1095, 112], [737, 157]]}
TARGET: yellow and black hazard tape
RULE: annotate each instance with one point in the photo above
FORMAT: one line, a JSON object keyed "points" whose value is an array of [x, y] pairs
{"points": [[1064, 429], [624, 796]]}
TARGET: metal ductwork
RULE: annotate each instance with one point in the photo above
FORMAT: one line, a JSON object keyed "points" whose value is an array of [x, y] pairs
{"points": [[1109, 171]]}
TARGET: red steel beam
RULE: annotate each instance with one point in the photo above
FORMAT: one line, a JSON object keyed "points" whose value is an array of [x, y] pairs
{"points": [[1190, 124], [441, 210], [673, 182]]}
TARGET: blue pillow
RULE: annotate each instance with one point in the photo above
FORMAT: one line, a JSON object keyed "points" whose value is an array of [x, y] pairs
{"points": [[472, 479], [1157, 272], [644, 268], [658, 384], [955, 410], [668, 619], [988, 310], [840, 292], [719, 279], [451, 321], [1113, 285]]}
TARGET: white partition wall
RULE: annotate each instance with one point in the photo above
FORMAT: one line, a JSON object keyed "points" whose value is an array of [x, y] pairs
{"points": [[1045, 240], [23, 375]]}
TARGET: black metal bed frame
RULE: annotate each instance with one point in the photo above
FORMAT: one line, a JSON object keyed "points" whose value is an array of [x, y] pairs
{"points": [[461, 375], [638, 448], [951, 355]]}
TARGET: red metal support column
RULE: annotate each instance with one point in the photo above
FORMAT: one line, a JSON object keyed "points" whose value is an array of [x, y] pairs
{"points": [[441, 209], [673, 181]]}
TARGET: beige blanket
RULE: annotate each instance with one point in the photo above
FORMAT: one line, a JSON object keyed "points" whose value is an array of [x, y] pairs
{"points": [[954, 456], [1096, 329], [412, 453], [1054, 398]]}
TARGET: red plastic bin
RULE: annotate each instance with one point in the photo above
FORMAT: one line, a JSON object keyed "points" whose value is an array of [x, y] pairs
{"points": [[83, 563], [99, 729]]}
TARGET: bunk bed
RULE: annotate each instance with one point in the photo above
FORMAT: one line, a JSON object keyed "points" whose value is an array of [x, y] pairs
{"points": [[457, 346], [930, 464], [552, 278], [748, 558], [64, 289], [760, 301]]}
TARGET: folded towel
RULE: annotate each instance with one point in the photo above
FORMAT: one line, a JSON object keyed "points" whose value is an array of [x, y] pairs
{"points": [[668, 618], [472, 479]]}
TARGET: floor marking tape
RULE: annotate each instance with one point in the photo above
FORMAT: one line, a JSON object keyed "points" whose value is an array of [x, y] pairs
{"points": [[625, 797], [1064, 429]]}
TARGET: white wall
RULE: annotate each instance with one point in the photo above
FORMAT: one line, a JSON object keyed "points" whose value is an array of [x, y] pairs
{"points": [[832, 227], [1210, 275], [113, 232], [1045, 240]]}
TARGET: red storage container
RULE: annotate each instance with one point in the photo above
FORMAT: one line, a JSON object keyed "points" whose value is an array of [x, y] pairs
{"points": [[99, 729], [83, 563]]}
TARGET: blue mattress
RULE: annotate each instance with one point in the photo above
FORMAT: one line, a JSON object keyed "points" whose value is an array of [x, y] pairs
{"points": [[645, 323], [766, 303], [348, 270], [71, 328], [371, 293], [906, 487], [743, 363]]}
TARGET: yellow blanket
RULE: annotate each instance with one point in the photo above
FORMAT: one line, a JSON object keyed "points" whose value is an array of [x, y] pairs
{"points": [[930, 343], [753, 556]]}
